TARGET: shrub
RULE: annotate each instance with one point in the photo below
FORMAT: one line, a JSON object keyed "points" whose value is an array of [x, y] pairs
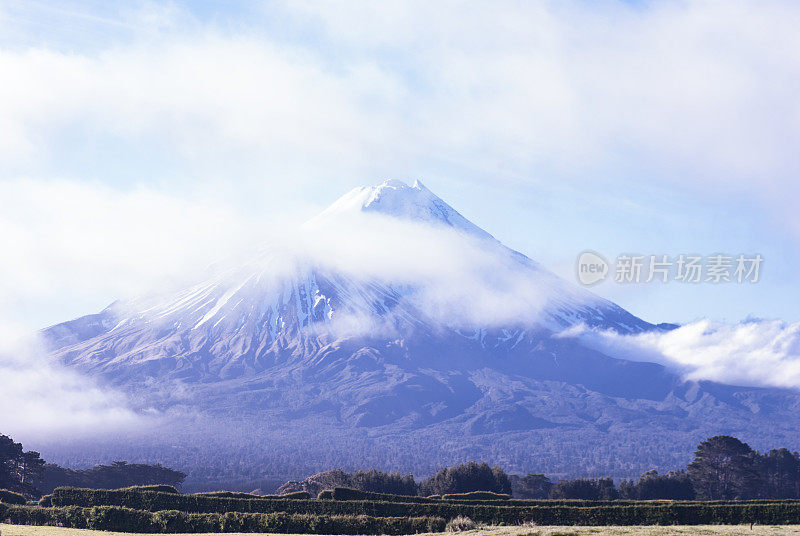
{"points": [[325, 494], [460, 524], [10, 497], [46, 501]]}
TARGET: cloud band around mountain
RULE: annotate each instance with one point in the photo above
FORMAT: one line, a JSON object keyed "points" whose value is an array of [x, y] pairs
{"points": [[758, 353]]}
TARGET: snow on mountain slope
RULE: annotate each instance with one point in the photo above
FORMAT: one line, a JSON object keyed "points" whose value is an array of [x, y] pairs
{"points": [[423, 298], [391, 312], [389, 322], [381, 311], [509, 272], [300, 294], [397, 199]]}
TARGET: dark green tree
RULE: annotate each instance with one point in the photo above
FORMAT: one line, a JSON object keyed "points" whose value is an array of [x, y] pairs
{"points": [[584, 488], [370, 480], [724, 468], [674, 485], [779, 470], [381, 482], [530, 486], [606, 491], [627, 489], [471, 476], [18, 468]]}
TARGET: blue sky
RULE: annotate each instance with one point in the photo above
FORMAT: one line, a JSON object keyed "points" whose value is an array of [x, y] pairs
{"points": [[138, 139]]}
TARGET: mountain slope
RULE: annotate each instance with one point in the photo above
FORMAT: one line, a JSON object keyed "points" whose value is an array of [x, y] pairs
{"points": [[453, 335], [271, 315]]}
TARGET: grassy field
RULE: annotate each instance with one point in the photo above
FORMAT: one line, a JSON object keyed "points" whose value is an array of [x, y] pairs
{"points": [[698, 530]]}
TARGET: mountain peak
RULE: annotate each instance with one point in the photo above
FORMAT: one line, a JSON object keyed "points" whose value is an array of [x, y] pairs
{"points": [[397, 199], [393, 194]]}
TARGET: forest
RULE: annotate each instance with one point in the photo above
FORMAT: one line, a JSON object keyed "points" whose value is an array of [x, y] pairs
{"points": [[25, 472], [723, 468]]}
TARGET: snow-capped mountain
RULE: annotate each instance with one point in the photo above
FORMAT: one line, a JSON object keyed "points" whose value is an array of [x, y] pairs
{"points": [[237, 323], [397, 199], [428, 323]]}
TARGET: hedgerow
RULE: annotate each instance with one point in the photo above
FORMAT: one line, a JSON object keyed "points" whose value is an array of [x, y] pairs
{"points": [[494, 499], [120, 519], [494, 512], [476, 496], [10, 497], [349, 494], [227, 494], [68, 516], [165, 488], [295, 495], [240, 495]]}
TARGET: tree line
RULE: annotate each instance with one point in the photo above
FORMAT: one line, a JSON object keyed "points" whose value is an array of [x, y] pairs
{"points": [[27, 473], [471, 476], [118, 474], [724, 468]]}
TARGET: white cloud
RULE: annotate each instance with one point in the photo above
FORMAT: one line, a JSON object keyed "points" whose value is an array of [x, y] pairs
{"points": [[450, 278], [67, 245], [698, 93], [91, 240], [694, 82], [454, 278], [203, 98], [42, 400], [760, 353], [89, 245]]}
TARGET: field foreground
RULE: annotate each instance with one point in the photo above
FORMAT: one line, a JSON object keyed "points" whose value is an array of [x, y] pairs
{"points": [[682, 530]]}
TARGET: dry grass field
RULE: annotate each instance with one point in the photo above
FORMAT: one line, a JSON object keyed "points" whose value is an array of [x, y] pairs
{"points": [[699, 530]]}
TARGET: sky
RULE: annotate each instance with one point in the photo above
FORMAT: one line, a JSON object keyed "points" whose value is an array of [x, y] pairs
{"points": [[142, 140]]}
